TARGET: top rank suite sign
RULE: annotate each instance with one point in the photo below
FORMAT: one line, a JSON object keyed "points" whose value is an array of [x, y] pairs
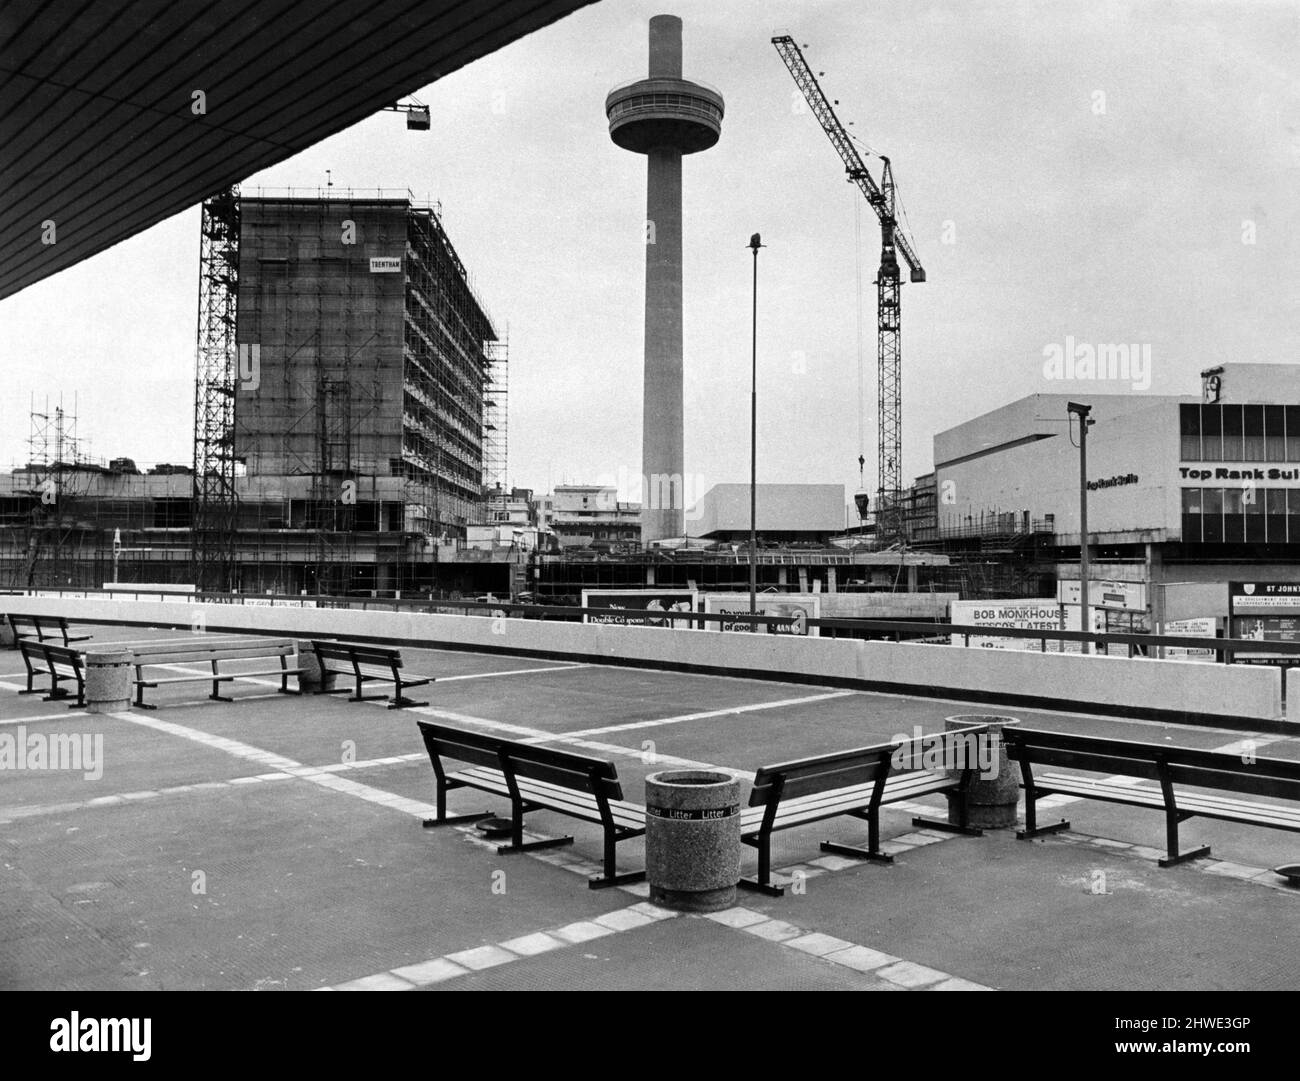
{"points": [[1264, 612]]}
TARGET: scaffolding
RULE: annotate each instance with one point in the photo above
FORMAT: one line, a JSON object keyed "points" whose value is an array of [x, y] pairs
{"points": [[345, 417], [46, 534], [217, 369], [496, 416], [374, 364], [447, 364]]}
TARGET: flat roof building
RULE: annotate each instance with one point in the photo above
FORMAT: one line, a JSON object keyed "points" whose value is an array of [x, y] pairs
{"points": [[785, 513], [1182, 490]]}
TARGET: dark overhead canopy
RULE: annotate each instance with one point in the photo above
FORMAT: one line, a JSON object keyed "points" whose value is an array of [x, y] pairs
{"points": [[98, 128]]}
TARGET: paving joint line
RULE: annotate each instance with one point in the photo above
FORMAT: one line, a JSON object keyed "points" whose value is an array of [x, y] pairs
{"points": [[1258, 876]]}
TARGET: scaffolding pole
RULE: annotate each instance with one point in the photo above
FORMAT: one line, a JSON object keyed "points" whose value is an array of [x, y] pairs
{"points": [[217, 368]]}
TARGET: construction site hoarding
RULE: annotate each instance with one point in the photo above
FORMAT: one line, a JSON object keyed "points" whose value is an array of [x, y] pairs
{"points": [[1198, 627], [788, 613], [1028, 615], [656, 607], [1120, 596], [1264, 612]]}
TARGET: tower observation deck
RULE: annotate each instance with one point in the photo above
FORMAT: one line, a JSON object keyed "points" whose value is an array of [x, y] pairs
{"points": [[663, 117]]}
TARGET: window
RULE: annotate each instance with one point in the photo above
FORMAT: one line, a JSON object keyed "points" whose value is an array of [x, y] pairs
{"points": [[1254, 506], [1189, 427], [1293, 433], [1275, 515], [1274, 433], [1212, 515], [1234, 525], [1233, 444], [172, 513], [1211, 433], [1293, 513], [1252, 423], [1192, 514]]}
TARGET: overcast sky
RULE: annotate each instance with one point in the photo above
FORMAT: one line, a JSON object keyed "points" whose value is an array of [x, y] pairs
{"points": [[1068, 169]]}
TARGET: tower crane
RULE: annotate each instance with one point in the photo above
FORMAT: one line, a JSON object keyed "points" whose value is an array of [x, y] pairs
{"points": [[893, 242]]}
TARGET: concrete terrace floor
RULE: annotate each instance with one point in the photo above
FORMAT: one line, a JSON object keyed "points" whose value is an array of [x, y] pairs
{"points": [[275, 843]]}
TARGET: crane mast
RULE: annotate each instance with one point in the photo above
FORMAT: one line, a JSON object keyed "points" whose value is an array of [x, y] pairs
{"points": [[893, 243]]}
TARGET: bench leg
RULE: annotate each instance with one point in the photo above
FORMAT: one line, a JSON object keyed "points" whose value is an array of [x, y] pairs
{"points": [[1032, 828], [606, 881], [139, 702], [611, 877], [519, 808], [448, 820], [1038, 831], [762, 883], [529, 846], [443, 818], [1175, 857], [946, 827], [402, 702], [857, 852], [1183, 857]]}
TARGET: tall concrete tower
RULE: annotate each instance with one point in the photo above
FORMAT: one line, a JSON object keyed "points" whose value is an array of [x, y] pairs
{"points": [[663, 117]]}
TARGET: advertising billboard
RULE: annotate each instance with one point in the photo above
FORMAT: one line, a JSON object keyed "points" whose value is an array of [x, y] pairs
{"points": [[1264, 612], [640, 607], [788, 612], [1020, 613], [1123, 596], [1198, 627]]}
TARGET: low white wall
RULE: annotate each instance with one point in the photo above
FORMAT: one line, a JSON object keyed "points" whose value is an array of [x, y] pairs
{"points": [[1088, 680], [1067, 680]]}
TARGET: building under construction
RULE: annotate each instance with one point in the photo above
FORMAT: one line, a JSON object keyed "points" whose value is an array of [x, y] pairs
{"points": [[350, 412]]}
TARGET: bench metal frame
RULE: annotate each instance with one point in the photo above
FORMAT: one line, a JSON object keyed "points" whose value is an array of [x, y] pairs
{"points": [[357, 654], [39, 631], [873, 784], [53, 656], [532, 778], [1215, 770], [189, 651]]}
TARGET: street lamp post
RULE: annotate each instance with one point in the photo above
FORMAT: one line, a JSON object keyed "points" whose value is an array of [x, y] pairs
{"points": [[1082, 411], [754, 243]]}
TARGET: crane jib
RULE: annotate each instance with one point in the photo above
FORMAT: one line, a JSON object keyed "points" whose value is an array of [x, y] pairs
{"points": [[890, 524]]}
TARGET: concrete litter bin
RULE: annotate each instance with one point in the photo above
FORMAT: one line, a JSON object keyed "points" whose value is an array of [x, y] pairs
{"points": [[313, 679], [108, 680], [990, 801], [692, 839]]}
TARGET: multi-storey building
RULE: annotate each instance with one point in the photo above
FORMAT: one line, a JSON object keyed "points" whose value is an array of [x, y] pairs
{"points": [[1185, 494], [364, 353]]}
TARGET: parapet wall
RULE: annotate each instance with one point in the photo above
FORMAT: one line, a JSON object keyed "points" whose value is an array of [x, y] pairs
{"points": [[1230, 695]]}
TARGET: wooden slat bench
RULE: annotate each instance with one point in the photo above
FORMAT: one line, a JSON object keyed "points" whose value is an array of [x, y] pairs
{"points": [[43, 629], [536, 778], [361, 660], [855, 783], [1273, 777], [61, 664], [204, 649]]}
